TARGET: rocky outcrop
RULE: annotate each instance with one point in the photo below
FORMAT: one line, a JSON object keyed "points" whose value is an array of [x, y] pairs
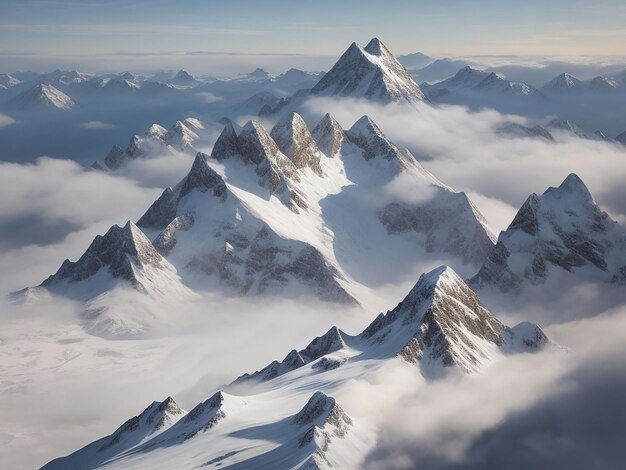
{"points": [[122, 251], [293, 138]]}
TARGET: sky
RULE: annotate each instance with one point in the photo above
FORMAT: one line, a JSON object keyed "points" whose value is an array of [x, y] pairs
{"points": [[142, 34]]}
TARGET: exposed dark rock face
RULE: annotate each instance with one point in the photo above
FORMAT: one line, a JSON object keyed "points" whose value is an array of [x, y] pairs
{"points": [[166, 240], [328, 135], [294, 139], [202, 417], [441, 310], [115, 158], [449, 223], [325, 420], [563, 228], [201, 177], [275, 171], [440, 323], [368, 136], [122, 250]]}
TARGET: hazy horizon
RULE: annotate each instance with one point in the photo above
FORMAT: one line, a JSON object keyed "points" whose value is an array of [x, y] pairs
{"points": [[210, 37]]}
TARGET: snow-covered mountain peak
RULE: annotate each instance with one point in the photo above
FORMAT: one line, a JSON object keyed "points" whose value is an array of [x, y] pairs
{"points": [[185, 76], [156, 130], [8, 81], [293, 138], [180, 136], [377, 48], [573, 185], [366, 135], [203, 178], [563, 229], [441, 322], [604, 84], [151, 422], [370, 73], [466, 77], [563, 83], [125, 253], [442, 282], [319, 411], [41, 97], [255, 143], [328, 135]]}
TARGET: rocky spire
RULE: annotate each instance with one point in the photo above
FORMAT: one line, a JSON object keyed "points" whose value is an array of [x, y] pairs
{"points": [[293, 138], [371, 73], [203, 178], [122, 250], [227, 144], [328, 135]]}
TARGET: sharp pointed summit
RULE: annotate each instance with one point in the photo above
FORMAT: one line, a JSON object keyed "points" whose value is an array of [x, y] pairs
{"points": [[561, 230], [328, 135], [371, 73], [42, 97], [293, 138]]}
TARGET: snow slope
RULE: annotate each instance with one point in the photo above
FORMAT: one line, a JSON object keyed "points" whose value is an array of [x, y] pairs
{"points": [[287, 416], [269, 213], [42, 97]]}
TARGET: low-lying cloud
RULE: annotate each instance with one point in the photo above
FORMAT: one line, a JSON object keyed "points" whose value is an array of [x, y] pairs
{"points": [[6, 120], [556, 410], [97, 125], [52, 209], [464, 150]]}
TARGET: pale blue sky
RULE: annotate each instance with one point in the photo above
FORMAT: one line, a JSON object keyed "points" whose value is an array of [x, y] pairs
{"points": [[122, 30]]}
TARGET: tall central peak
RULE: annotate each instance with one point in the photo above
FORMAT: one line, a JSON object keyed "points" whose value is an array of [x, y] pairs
{"points": [[370, 73], [376, 47]]}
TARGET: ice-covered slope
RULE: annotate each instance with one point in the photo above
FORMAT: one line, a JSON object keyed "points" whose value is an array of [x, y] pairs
{"points": [[271, 213], [287, 416], [210, 233], [42, 97], [151, 422], [280, 188], [440, 323], [563, 230], [121, 262], [370, 72], [307, 431]]}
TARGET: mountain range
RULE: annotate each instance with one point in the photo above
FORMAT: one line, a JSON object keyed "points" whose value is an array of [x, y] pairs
{"points": [[283, 419], [277, 212]]}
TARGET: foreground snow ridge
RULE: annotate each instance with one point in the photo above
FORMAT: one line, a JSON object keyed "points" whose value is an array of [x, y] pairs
{"points": [[270, 419]]}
